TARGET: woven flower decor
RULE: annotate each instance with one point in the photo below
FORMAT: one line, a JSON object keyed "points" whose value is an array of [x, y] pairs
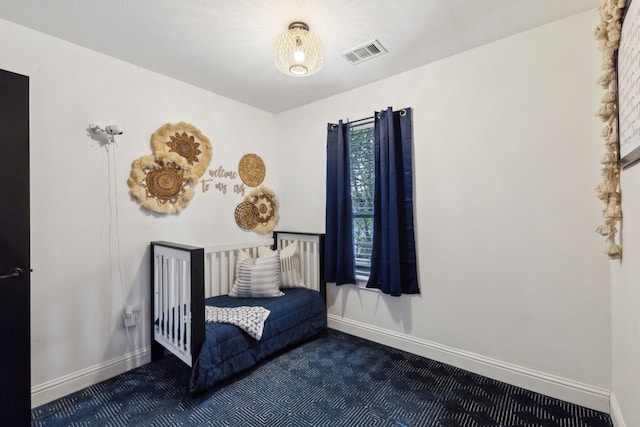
{"points": [[161, 182], [181, 155], [185, 140], [608, 34], [259, 211]]}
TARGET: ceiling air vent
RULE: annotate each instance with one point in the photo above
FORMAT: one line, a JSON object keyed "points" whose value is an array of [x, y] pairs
{"points": [[364, 52]]}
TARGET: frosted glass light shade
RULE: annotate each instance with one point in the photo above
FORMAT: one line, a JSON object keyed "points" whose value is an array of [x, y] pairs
{"points": [[298, 52]]}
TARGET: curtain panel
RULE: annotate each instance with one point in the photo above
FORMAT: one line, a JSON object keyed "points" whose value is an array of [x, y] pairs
{"points": [[393, 259], [339, 250]]}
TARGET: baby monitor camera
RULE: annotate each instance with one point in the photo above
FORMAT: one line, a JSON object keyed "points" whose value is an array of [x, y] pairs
{"points": [[113, 130]]}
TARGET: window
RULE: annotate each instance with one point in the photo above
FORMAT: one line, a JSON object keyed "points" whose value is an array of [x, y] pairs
{"points": [[369, 208], [362, 193]]}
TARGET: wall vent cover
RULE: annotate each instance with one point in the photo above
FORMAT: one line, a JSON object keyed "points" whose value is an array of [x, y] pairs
{"points": [[364, 52]]}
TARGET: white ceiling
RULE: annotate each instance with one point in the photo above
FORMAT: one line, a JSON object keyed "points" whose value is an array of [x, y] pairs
{"points": [[225, 46]]}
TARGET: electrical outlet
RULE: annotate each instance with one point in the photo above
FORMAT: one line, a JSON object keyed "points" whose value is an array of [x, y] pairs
{"points": [[130, 316]]}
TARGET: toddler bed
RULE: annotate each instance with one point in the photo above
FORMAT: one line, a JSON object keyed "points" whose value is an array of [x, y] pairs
{"points": [[221, 309]]}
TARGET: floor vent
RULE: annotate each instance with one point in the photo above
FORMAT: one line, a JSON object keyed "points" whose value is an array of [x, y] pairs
{"points": [[364, 52]]}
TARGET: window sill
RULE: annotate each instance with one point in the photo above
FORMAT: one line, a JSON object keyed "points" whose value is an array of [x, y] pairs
{"points": [[361, 282], [364, 287]]}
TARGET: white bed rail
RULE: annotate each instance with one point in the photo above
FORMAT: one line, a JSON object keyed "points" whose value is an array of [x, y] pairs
{"points": [[183, 276], [172, 279], [220, 265]]}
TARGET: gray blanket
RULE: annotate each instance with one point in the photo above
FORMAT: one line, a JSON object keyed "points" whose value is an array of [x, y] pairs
{"points": [[249, 319]]}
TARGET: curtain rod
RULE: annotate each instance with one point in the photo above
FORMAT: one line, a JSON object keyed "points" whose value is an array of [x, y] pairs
{"points": [[402, 113], [360, 120]]}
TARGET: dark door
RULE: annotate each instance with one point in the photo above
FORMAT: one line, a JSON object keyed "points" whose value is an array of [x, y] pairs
{"points": [[15, 345]]}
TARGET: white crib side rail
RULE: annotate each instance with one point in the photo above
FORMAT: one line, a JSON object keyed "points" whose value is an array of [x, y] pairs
{"points": [[220, 261], [172, 300], [220, 264]]}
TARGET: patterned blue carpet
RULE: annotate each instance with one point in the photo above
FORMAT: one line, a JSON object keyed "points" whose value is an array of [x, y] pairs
{"points": [[333, 380]]}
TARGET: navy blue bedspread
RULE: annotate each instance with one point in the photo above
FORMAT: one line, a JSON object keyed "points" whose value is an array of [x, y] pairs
{"points": [[227, 350]]}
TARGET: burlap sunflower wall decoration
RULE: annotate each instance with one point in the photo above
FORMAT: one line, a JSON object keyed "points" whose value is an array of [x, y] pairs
{"points": [[185, 140], [259, 211], [160, 182], [181, 155]]}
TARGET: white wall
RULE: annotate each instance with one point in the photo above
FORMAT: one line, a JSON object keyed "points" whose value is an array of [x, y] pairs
{"points": [[625, 307], [89, 238], [506, 145]]}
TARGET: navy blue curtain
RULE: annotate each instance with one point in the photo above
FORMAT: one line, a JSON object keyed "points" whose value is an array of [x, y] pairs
{"points": [[393, 259], [339, 253]]}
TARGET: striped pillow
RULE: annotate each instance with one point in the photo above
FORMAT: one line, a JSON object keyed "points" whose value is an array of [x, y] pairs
{"points": [[259, 278], [290, 276]]}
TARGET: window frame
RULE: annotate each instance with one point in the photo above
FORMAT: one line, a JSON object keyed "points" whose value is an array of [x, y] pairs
{"points": [[363, 131]]}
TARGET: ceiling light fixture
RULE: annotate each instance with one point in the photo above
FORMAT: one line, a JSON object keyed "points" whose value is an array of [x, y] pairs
{"points": [[297, 51]]}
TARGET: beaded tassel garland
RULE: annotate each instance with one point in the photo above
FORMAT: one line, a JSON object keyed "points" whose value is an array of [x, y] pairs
{"points": [[608, 34]]}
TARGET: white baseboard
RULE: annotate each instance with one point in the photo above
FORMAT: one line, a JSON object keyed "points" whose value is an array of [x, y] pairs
{"points": [[540, 382], [59, 387], [616, 413], [561, 388]]}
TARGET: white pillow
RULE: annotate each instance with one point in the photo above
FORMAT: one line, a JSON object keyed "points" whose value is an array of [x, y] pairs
{"points": [[258, 278], [290, 276]]}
